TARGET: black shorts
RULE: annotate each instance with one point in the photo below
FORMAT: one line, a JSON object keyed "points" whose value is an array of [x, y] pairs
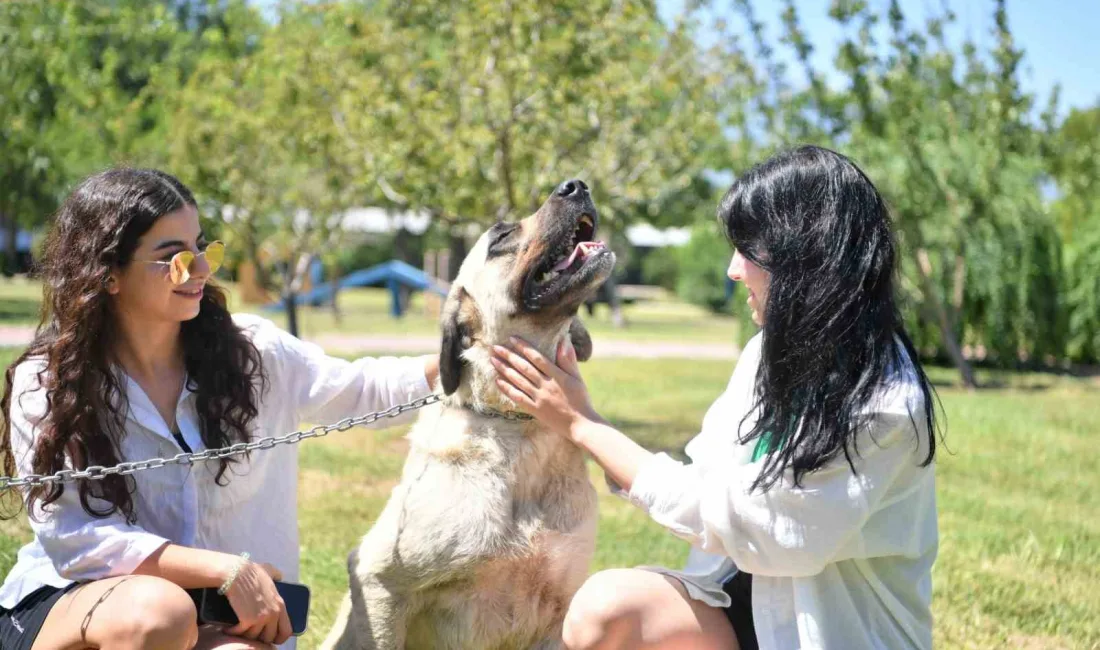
{"points": [[739, 613], [19, 626]]}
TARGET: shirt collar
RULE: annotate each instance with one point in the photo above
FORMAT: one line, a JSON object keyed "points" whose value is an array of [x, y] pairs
{"points": [[141, 409]]}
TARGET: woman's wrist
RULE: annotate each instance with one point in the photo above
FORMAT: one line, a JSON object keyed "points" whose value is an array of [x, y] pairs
{"points": [[232, 572], [584, 427]]}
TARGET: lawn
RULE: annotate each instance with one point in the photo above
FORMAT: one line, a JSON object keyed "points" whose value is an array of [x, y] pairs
{"points": [[366, 312], [1018, 487]]}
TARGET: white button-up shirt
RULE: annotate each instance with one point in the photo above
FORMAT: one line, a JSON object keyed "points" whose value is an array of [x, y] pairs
{"points": [[841, 563], [255, 512]]}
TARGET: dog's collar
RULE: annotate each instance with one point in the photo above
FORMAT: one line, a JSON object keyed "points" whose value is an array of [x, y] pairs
{"points": [[494, 413]]}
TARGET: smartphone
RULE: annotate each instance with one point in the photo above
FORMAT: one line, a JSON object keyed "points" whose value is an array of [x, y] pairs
{"points": [[214, 608]]}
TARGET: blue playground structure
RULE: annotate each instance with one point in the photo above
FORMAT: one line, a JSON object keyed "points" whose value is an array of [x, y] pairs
{"points": [[394, 275]]}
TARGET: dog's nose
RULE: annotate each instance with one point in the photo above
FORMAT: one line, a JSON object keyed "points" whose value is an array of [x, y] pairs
{"points": [[572, 189]]}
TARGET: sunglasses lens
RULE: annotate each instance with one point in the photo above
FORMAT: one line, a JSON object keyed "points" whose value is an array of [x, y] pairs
{"points": [[179, 271], [215, 255]]}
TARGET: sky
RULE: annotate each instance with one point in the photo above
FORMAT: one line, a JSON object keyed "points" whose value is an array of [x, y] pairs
{"points": [[1059, 38]]}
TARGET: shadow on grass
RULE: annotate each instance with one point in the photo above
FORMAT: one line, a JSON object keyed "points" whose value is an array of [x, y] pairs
{"points": [[994, 384], [19, 310], [655, 436]]}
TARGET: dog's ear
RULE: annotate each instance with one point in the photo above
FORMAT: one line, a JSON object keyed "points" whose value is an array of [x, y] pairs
{"points": [[459, 324], [582, 342]]}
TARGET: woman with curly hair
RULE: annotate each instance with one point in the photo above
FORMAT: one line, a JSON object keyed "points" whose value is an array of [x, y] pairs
{"points": [[810, 499], [137, 357]]}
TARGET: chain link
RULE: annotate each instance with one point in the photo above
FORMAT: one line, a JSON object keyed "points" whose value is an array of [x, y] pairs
{"points": [[98, 473]]}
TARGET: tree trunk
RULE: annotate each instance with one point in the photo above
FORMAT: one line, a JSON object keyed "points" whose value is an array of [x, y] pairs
{"points": [[334, 283], [403, 246], [938, 306], [290, 300], [959, 290], [457, 245], [294, 278], [11, 249], [614, 303]]}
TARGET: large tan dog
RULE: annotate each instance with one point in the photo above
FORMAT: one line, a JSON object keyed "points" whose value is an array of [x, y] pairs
{"points": [[490, 531]]}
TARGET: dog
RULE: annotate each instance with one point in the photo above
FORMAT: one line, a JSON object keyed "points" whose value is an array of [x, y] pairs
{"points": [[492, 527]]}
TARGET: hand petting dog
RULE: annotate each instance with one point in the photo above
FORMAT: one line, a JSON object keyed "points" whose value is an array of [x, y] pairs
{"points": [[555, 394], [558, 398]]}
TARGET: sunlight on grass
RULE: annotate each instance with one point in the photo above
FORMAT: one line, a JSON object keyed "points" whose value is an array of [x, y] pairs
{"points": [[366, 312], [1017, 494]]}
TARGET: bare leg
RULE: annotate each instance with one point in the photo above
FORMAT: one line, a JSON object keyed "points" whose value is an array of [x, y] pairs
{"points": [[634, 608], [212, 638], [125, 613]]}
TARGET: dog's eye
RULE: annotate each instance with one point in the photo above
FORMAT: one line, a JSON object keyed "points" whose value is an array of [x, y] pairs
{"points": [[499, 236]]}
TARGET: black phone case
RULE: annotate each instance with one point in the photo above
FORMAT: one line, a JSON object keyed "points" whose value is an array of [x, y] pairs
{"points": [[215, 608]]}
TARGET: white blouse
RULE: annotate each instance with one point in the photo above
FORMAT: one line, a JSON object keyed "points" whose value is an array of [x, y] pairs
{"points": [[841, 563], [255, 512]]}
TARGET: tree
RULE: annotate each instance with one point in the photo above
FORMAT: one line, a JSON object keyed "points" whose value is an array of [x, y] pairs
{"points": [[251, 136], [85, 92], [1073, 159], [30, 171], [946, 138], [501, 101]]}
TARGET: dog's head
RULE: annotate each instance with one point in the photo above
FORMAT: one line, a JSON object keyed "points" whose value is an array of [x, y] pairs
{"points": [[525, 279]]}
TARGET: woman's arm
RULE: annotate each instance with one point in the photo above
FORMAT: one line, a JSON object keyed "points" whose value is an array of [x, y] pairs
{"points": [[787, 530], [190, 568], [557, 396], [323, 389], [82, 547], [252, 593]]}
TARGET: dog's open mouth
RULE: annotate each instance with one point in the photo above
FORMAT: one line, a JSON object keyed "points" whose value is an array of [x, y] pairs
{"points": [[570, 264]]}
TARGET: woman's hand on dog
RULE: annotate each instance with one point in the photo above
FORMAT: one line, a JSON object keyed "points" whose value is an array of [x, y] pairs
{"points": [[258, 605], [554, 393]]}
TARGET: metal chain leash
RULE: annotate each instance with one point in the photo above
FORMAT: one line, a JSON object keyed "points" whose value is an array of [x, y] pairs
{"points": [[98, 473]]}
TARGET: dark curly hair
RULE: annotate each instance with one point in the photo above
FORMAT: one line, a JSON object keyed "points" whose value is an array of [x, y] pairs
{"points": [[95, 232], [812, 219]]}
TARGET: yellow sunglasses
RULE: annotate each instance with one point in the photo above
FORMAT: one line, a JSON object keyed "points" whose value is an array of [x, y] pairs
{"points": [[179, 267]]}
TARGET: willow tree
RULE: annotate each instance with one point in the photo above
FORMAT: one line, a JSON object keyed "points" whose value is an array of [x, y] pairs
{"points": [[947, 138], [1073, 155]]}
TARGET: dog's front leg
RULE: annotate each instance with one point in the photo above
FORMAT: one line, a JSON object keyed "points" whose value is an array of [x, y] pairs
{"points": [[550, 643], [370, 618], [379, 618], [376, 620]]}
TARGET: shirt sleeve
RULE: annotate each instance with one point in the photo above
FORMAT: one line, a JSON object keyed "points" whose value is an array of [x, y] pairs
{"points": [[786, 530], [329, 389], [80, 546]]}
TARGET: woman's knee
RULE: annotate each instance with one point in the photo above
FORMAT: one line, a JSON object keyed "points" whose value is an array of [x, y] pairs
{"points": [[603, 607], [156, 614]]}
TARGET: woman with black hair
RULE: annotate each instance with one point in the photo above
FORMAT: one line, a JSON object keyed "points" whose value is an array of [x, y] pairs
{"points": [[810, 498], [137, 357]]}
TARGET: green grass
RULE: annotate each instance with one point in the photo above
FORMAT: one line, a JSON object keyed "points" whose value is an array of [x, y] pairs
{"points": [[366, 312], [1017, 481], [1017, 487], [19, 302]]}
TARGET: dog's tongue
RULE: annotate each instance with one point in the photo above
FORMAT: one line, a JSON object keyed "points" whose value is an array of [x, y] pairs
{"points": [[583, 249]]}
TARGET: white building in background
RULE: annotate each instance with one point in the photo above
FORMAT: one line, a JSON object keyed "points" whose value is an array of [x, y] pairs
{"points": [[644, 235], [379, 221]]}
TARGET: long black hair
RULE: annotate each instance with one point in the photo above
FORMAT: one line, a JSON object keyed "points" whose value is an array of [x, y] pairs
{"points": [[812, 219], [96, 231]]}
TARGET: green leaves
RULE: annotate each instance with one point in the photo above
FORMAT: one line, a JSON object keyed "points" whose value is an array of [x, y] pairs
{"points": [[946, 135]]}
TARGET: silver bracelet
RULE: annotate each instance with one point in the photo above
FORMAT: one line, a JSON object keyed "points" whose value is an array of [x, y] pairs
{"points": [[233, 574]]}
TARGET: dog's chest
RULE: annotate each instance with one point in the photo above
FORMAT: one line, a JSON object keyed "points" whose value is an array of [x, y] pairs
{"points": [[507, 602], [528, 513]]}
